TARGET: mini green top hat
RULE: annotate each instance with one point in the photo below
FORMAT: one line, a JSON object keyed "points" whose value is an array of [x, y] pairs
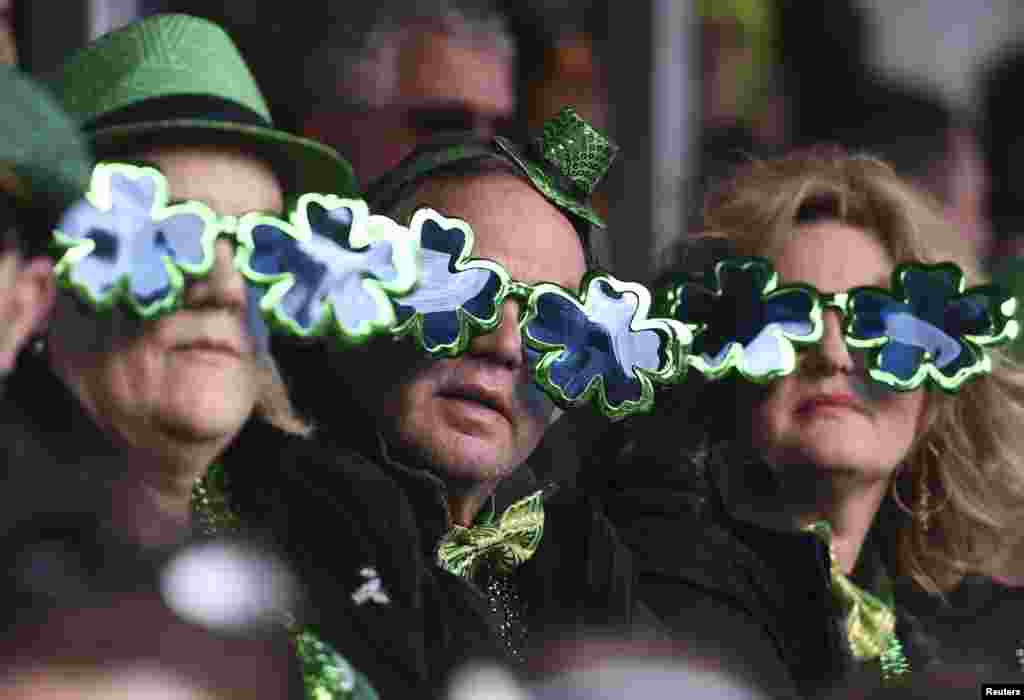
{"points": [[175, 77], [573, 159], [44, 163], [565, 164]]}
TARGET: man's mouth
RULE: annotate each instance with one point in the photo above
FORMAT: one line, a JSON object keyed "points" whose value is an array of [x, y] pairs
{"points": [[212, 345], [476, 395]]}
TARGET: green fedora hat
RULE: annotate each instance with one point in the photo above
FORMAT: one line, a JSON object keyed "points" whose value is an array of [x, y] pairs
{"points": [[44, 162], [171, 78]]}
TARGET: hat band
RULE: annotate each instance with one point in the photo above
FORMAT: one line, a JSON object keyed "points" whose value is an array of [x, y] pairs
{"points": [[180, 107]]}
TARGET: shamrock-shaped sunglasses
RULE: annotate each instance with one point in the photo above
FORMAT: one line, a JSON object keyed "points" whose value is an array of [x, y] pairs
{"points": [[926, 327], [330, 268], [333, 269], [597, 345]]}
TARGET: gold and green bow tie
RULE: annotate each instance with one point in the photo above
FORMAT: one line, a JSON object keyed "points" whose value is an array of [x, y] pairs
{"points": [[503, 543], [870, 621]]}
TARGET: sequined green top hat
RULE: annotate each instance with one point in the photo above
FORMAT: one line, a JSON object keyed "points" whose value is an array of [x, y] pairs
{"points": [[565, 164], [177, 78], [43, 159], [573, 158]]}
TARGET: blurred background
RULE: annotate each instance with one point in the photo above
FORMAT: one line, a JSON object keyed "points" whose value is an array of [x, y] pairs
{"points": [[686, 87]]}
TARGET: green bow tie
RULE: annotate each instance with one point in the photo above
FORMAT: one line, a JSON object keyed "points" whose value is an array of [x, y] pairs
{"points": [[870, 621], [503, 543]]}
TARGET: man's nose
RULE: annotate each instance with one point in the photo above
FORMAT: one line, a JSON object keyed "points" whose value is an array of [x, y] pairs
{"points": [[504, 344], [223, 286]]}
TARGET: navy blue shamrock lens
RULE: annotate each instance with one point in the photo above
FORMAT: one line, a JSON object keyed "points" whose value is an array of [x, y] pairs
{"points": [[600, 347], [929, 327], [124, 243], [743, 321], [330, 270], [458, 297]]}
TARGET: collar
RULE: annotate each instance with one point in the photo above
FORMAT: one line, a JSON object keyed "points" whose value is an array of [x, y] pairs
{"points": [[733, 474], [428, 493]]}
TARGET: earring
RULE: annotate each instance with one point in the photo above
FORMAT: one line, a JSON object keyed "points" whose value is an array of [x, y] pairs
{"points": [[924, 500], [896, 492], [923, 510]]}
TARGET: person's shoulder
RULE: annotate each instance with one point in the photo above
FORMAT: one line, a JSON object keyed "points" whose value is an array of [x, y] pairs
{"points": [[315, 486], [670, 514], [316, 461]]}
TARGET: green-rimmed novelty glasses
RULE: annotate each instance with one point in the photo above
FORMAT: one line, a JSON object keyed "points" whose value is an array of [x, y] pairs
{"points": [[597, 346], [927, 327], [332, 269]]}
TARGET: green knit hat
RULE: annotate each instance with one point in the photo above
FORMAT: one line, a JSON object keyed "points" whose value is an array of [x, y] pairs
{"points": [[175, 78], [44, 163]]}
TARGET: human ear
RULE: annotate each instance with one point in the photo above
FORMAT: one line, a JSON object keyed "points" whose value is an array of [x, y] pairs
{"points": [[30, 301]]}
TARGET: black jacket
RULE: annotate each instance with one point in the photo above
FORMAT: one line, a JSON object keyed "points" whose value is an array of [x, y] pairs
{"points": [[350, 529], [760, 599], [580, 578], [346, 528]]}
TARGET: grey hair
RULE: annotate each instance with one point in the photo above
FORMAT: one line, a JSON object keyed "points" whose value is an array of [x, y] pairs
{"points": [[361, 54]]}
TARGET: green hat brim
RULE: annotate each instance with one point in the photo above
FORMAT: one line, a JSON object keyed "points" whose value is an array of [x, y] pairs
{"points": [[303, 165]]}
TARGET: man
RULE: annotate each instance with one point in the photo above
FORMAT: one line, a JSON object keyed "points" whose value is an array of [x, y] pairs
{"points": [[44, 167], [377, 81], [413, 78], [455, 433]]}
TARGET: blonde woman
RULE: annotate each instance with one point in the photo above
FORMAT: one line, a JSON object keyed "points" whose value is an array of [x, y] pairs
{"points": [[726, 493]]}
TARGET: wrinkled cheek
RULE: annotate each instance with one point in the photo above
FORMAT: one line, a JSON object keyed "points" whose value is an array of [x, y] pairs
{"points": [[83, 331]]}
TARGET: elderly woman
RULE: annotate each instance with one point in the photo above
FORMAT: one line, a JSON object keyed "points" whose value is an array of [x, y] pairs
{"points": [[143, 403], [780, 520]]}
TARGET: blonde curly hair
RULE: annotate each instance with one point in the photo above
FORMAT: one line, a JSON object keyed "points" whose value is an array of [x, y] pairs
{"points": [[970, 455]]}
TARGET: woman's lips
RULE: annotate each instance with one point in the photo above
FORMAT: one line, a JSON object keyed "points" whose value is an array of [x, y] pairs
{"points": [[829, 402]]}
